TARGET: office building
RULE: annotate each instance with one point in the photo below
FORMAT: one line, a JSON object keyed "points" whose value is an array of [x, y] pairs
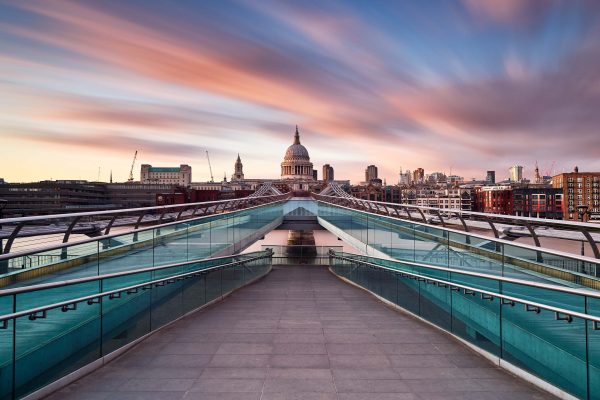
{"points": [[419, 176], [405, 177], [515, 173], [181, 175], [371, 173], [328, 173]]}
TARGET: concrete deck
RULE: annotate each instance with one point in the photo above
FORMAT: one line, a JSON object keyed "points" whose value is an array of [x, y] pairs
{"points": [[300, 333]]}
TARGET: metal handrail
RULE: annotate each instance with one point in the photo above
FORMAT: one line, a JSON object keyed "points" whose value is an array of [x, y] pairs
{"points": [[5, 256], [42, 309], [120, 211], [561, 313], [475, 235], [50, 285], [508, 218], [97, 229], [539, 285]]}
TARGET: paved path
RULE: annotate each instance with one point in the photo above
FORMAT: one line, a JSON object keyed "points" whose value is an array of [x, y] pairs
{"points": [[300, 333]]}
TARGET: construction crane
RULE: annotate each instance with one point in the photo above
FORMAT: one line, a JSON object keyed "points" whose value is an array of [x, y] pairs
{"points": [[550, 172], [132, 165], [212, 179]]}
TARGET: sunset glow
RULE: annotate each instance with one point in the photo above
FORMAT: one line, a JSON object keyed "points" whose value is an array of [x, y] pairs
{"points": [[459, 87]]}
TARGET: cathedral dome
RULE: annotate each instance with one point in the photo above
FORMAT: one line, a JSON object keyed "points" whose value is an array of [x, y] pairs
{"points": [[296, 162], [296, 152]]}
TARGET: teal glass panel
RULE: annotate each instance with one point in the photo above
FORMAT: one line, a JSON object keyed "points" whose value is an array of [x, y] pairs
{"points": [[435, 304], [389, 286], [50, 346], [546, 296], [218, 235], [470, 254], [518, 260], [45, 296], [402, 241], [359, 227], [554, 350], [198, 239], [382, 234], [126, 317], [476, 282], [170, 244], [228, 279], [81, 260], [593, 340], [126, 252], [6, 349], [167, 303], [213, 285], [431, 246], [239, 276], [477, 319], [193, 293], [409, 294]]}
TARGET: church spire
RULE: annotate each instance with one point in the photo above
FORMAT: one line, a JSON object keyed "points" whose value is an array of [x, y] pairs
{"points": [[297, 136]]}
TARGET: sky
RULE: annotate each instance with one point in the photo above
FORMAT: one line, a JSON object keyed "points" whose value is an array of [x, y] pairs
{"points": [[459, 87]]}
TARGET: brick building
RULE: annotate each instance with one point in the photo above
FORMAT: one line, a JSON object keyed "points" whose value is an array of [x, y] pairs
{"points": [[538, 202], [494, 199], [579, 189]]}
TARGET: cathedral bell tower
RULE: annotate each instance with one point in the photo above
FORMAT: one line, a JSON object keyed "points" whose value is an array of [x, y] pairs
{"points": [[238, 175]]}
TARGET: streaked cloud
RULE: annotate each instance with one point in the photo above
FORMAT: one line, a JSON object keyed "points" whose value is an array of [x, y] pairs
{"points": [[470, 86]]}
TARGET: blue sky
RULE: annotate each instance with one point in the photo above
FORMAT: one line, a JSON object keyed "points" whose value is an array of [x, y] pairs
{"points": [[464, 85]]}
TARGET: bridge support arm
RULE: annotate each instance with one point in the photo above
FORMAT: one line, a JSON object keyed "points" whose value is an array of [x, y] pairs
{"points": [[462, 221], [70, 229], [110, 224], [12, 238], [534, 235], [439, 214], [591, 241]]}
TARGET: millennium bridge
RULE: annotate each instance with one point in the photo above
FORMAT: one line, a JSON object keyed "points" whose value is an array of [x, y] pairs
{"points": [[171, 302]]}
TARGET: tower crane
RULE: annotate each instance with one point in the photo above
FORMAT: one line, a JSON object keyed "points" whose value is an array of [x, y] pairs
{"points": [[132, 165], [212, 179], [550, 172]]}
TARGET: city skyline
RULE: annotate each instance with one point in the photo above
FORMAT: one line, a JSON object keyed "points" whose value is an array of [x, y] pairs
{"points": [[469, 86]]}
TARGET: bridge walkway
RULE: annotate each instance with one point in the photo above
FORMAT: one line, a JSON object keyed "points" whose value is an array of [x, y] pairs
{"points": [[300, 333]]}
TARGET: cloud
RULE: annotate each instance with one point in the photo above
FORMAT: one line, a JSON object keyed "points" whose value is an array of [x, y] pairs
{"points": [[113, 142], [355, 80], [507, 11]]}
